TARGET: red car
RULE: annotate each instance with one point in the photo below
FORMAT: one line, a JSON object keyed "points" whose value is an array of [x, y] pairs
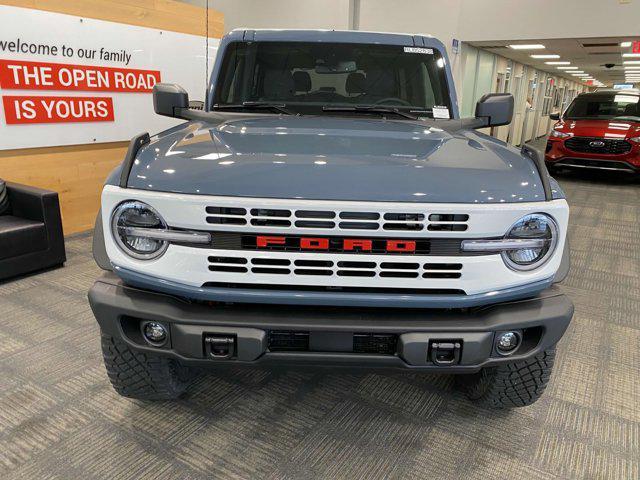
{"points": [[599, 130]]}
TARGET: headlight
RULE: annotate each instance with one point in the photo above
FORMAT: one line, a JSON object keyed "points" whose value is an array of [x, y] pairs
{"points": [[536, 226], [133, 217], [635, 139], [557, 134]]}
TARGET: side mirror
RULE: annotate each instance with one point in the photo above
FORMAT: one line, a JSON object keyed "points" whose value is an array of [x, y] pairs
{"points": [[169, 98], [554, 116], [495, 108]]}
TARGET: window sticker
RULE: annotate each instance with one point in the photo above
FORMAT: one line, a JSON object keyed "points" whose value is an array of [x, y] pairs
{"points": [[428, 51], [441, 112]]}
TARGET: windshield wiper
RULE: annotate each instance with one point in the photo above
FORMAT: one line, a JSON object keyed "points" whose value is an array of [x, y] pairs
{"points": [[371, 109], [282, 108]]}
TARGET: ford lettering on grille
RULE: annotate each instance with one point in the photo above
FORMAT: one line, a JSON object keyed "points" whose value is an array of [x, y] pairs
{"points": [[336, 244]]}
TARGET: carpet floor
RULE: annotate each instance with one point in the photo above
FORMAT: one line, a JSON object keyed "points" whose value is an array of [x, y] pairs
{"points": [[60, 418]]}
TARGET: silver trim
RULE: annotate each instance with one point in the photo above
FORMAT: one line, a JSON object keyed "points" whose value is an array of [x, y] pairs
{"points": [[595, 167], [169, 235], [502, 244]]}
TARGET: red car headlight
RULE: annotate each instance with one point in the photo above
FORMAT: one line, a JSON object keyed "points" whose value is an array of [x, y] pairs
{"points": [[557, 134], [635, 139]]}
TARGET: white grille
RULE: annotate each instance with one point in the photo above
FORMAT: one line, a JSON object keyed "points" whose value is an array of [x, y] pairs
{"points": [[345, 266], [347, 220], [191, 266]]}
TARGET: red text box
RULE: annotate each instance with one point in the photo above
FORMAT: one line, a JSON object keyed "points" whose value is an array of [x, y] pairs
{"points": [[34, 109], [24, 75]]}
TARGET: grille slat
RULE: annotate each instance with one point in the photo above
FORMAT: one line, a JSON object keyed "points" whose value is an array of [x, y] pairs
{"points": [[347, 220], [343, 268], [605, 146]]}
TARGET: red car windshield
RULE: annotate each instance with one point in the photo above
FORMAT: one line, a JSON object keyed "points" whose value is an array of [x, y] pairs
{"points": [[617, 106]]}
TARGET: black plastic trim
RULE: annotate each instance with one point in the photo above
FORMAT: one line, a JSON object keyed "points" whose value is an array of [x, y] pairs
{"points": [[135, 144], [538, 161], [111, 300]]}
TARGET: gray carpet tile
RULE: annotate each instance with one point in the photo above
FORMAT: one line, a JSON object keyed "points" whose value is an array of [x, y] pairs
{"points": [[60, 419]]}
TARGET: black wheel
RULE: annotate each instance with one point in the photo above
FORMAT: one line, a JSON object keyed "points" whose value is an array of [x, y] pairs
{"points": [[509, 385], [143, 376]]}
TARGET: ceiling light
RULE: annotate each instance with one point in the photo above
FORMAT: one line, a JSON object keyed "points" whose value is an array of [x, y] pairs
{"points": [[557, 63], [631, 62], [625, 44], [532, 46], [631, 54], [567, 68], [580, 74], [577, 71], [545, 56]]}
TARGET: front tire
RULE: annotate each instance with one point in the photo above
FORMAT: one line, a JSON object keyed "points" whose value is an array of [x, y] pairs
{"points": [[141, 375], [515, 384]]}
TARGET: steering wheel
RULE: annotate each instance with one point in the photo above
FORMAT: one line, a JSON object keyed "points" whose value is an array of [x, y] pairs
{"points": [[389, 99]]}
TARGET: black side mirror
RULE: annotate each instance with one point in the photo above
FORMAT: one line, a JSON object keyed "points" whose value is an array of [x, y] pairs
{"points": [[554, 116], [169, 99], [495, 108]]}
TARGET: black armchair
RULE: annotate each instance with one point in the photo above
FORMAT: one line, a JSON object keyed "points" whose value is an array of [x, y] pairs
{"points": [[31, 235]]}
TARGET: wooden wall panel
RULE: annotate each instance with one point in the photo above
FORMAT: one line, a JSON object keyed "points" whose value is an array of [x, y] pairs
{"points": [[78, 172], [161, 14]]}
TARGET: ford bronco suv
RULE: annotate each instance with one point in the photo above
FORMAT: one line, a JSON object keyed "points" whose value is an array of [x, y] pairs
{"points": [[330, 208]]}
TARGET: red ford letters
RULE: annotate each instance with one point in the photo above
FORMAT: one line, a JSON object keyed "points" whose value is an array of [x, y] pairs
{"points": [[347, 244]]}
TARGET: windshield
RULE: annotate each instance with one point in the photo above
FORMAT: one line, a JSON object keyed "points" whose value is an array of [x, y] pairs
{"points": [[604, 107], [306, 77]]}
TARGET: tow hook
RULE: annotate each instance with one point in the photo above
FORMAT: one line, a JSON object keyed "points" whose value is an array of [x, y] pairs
{"points": [[220, 347], [445, 353]]}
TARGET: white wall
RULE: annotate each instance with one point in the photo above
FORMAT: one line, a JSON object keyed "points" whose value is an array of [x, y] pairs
{"points": [[468, 20], [539, 19], [282, 13]]}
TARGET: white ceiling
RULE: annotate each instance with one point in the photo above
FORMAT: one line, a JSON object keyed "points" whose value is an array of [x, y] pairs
{"points": [[588, 54]]}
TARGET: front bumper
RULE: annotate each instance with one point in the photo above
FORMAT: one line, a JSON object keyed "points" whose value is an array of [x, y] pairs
{"points": [[556, 154], [541, 321]]}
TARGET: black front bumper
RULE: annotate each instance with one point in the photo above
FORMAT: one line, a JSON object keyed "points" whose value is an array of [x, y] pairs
{"points": [[330, 332]]}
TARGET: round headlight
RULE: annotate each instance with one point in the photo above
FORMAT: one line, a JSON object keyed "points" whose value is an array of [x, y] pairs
{"points": [[534, 226], [132, 215]]}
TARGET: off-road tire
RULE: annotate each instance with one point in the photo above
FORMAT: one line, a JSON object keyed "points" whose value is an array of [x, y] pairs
{"points": [[141, 375], [510, 385]]}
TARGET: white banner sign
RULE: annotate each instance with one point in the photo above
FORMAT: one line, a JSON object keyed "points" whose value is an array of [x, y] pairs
{"points": [[67, 80]]}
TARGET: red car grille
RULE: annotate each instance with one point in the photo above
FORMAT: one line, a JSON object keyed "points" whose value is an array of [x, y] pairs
{"points": [[606, 146]]}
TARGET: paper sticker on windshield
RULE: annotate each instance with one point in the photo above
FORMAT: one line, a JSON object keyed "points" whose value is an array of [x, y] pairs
{"points": [[428, 51], [440, 112]]}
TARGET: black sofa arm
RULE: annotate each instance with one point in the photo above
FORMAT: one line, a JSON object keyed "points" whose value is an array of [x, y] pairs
{"points": [[29, 202], [39, 205]]}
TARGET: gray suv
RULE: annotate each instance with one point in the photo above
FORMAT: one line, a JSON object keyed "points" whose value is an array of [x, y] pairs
{"points": [[329, 207]]}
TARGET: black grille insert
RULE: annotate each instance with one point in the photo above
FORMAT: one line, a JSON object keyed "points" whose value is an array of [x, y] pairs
{"points": [[312, 271], [375, 343], [238, 260], [359, 215], [270, 261], [288, 341], [227, 268], [314, 224], [315, 214], [605, 146]]}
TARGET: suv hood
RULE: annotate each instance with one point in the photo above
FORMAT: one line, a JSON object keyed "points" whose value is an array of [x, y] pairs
{"points": [[335, 158], [600, 128]]}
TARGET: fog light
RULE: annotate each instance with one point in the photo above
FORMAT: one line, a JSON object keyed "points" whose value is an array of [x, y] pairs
{"points": [[507, 342], [154, 332]]}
